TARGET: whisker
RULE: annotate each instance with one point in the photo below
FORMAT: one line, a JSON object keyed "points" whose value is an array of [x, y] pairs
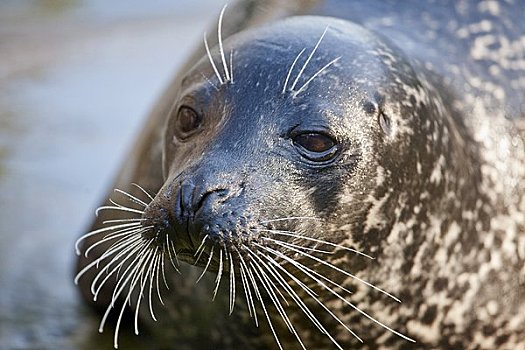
{"points": [[104, 229], [303, 267], [119, 245], [315, 75], [150, 197], [262, 262], [250, 302], [139, 298], [219, 275], [272, 291], [117, 207], [280, 279], [91, 265], [243, 280], [116, 204], [291, 218], [168, 247], [308, 59], [105, 222], [206, 267], [311, 294], [256, 256], [129, 252], [231, 67], [232, 284], [292, 234], [210, 82], [123, 234], [119, 236], [157, 274], [261, 302], [221, 49], [300, 247], [201, 246], [277, 304], [337, 295], [132, 285], [129, 273], [143, 283], [338, 269], [121, 283], [172, 245], [291, 69], [211, 60], [132, 198], [163, 268], [151, 273]]}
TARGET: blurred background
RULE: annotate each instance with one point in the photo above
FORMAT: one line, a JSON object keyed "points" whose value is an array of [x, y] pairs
{"points": [[77, 79]]}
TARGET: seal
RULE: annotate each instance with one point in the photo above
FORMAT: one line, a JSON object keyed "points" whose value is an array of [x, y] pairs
{"points": [[332, 184]]}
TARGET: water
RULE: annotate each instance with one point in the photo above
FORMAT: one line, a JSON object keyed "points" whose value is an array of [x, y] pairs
{"points": [[76, 80]]}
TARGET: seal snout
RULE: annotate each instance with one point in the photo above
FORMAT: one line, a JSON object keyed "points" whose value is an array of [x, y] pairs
{"points": [[194, 209]]}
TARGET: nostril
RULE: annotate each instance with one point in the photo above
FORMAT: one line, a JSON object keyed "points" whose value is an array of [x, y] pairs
{"points": [[208, 197], [192, 197], [185, 199], [202, 200]]}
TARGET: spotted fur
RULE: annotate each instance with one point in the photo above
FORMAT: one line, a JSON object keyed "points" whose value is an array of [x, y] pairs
{"points": [[411, 236]]}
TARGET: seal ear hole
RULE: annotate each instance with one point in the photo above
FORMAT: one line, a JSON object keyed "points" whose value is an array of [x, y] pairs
{"points": [[187, 122], [370, 107], [385, 123]]}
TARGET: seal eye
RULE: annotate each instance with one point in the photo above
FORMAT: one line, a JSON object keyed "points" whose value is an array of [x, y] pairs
{"points": [[188, 122], [315, 146]]}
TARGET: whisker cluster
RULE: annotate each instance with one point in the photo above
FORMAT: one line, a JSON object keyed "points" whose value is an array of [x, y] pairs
{"points": [[227, 76], [301, 71], [274, 271], [136, 263], [271, 275]]}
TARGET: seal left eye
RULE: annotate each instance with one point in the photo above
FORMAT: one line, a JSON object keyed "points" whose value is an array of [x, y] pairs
{"points": [[315, 146], [188, 122]]}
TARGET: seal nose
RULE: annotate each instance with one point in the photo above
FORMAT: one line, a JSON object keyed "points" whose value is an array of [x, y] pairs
{"points": [[193, 210], [184, 210], [196, 198]]}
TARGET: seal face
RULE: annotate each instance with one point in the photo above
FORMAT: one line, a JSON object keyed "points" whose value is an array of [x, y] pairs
{"points": [[334, 184]]}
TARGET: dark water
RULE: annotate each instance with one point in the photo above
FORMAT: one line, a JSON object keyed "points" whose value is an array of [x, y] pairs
{"points": [[76, 80]]}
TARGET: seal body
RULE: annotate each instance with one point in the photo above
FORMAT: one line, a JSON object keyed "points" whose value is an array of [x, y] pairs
{"points": [[353, 182]]}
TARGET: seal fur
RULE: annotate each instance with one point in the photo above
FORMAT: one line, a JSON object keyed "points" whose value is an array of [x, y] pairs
{"points": [[417, 178]]}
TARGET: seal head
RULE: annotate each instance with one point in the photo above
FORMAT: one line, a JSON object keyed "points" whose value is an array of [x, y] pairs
{"points": [[293, 138]]}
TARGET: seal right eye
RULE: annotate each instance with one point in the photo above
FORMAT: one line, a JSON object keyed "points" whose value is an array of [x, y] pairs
{"points": [[316, 146], [188, 122]]}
